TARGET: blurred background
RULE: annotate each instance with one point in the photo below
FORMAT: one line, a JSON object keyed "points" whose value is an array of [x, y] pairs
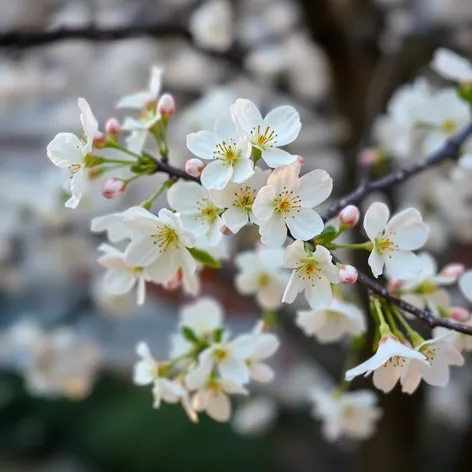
{"points": [[338, 62]]}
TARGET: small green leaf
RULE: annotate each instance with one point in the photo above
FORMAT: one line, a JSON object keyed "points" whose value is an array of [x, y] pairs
{"points": [[326, 236], [189, 335], [203, 257], [218, 335], [465, 92]]}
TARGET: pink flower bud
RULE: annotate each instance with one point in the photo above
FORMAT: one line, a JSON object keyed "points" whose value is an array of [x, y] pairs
{"points": [[113, 188], [225, 230], [175, 282], [194, 167], [166, 105], [113, 127], [459, 314], [349, 216], [369, 156], [301, 160], [394, 285], [453, 270], [99, 140], [348, 274]]}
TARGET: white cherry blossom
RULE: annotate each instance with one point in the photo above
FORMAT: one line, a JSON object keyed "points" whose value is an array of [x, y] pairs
{"points": [[212, 397], [229, 359], [261, 273], [288, 200], [351, 415], [120, 277], [461, 342], [200, 216], [237, 200], [230, 154], [204, 316], [452, 66], [139, 128], [440, 354], [67, 151], [313, 272], [330, 324], [255, 417], [279, 128], [159, 238], [139, 100], [113, 224], [387, 363], [394, 240]]}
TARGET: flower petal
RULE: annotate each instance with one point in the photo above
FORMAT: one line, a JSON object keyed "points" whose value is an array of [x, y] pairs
{"points": [[403, 265], [304, 224], [275, 157], [375, 220], [203, 144], [315, 187], [273, 232], [285, 121], [243, 170], [216, 175], [235, 219], [319, 294], [410, 231], [245, 115], [184, 197], [65, 149]]}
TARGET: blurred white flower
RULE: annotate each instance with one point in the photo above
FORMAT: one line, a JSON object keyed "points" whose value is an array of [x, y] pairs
{"points": [[141, 100], [229, 153], [261, 273], [452, 66], [331, 324], [288, 200], [351, 415], [113, 224], [211, 25], [279, 128], [394, 240], [313, 272], [255, 417]]}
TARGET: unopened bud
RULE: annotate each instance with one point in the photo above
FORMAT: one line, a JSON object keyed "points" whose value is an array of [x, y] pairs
{"points": [[194, 167], [166, 105], [349, 216], [175, 282], [113, 188], [459, 314], [453, 270], [300, 160], [348, 274], [99, 140], [394, 285], [368, 157], [113, 127], [225, 230]]}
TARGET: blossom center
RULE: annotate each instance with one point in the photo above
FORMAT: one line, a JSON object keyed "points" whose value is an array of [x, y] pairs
{"points": [[263, 279], [449, 126], [430, 353], [74, 168], [309, 270], [263, 138], [207, 210], [334, 316], [245, 198], [395, 361], [166, 238], [384, 243], [287, 202], [227, 152], [220, 354]]}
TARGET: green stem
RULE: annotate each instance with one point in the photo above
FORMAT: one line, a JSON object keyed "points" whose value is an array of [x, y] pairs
{"points": [[384, 327], [367, 246], [137, 176], [111, 144], [147, 204], [416, 339], [393, 324], [124, 162]]}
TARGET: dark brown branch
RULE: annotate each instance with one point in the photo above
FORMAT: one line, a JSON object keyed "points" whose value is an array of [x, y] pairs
{"points": [[449, 150]]}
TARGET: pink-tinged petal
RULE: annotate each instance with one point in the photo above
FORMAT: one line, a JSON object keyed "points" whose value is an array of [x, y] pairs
{"points": [[65, 149], [273, 232], [410, 232], [275, 157], [376, 263], [293, 288], [263, 206], [315, 187], [117, 282], [410, 377], [235, 219], [184, 197], [304, 224], [216, 175], [200, 400], [375, 220], [261, 372], [386, 377], [219, 407], [285, 178], [403, 265], [243, 170], [285, 121], [203, 144], [319, 294], [246, 116]]}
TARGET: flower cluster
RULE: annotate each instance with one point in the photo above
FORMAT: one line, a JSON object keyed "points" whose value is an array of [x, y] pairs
{"points": [[240, 175]]}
